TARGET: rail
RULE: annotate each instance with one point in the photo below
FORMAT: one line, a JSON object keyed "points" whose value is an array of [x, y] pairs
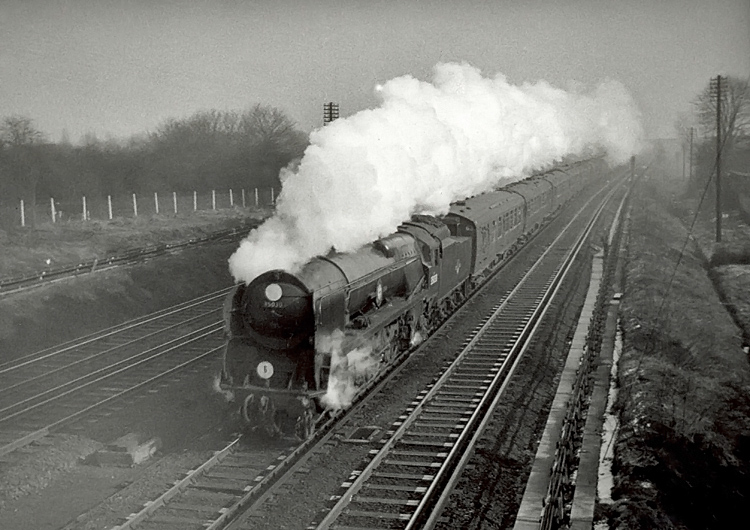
{"points": [[412, 474], [41, 391]]}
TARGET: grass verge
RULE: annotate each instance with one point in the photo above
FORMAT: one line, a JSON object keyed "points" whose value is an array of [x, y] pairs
{"points": [[682, 457]]}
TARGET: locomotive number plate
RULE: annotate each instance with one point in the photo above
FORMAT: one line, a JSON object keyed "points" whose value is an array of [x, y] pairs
{"points": [[265, 370]]}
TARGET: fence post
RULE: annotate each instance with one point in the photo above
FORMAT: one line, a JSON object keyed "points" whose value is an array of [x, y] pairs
{"points": [[156, 202], [243, 197], [23, 215], [174, 201], [109, 206], [213, 199], [256, 197], [135, 206], [273, 200], [52, 208], [83, 216], [195, 200], [231, 198]]}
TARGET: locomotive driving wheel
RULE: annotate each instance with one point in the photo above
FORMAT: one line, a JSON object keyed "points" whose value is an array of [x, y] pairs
{"points": [[268, 418], [305, 425], [248, 410]]}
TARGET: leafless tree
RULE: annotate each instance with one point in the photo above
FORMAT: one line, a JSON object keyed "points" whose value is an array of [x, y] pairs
{"points": [[273, 139], [225, 148], [22, 157], [18, 131], [734, 129], [735, 112]]}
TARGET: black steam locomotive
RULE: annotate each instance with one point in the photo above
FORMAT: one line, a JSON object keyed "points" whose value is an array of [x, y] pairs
{"points": [[297, 344]]}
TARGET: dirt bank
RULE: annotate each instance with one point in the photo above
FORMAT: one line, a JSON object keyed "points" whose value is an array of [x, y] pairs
{"points": [[51, 314], [682, 456]]}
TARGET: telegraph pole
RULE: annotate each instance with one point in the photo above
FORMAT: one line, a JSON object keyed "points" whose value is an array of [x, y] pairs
{"points": [[330, 112], [716, 85], [690, 175], [684, 157]]}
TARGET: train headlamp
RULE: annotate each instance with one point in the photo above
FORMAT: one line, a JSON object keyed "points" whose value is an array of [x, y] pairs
{"points": [[273, 292]]}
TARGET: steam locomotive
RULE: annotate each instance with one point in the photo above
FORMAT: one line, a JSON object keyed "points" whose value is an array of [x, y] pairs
{"points": [[300, 344]]}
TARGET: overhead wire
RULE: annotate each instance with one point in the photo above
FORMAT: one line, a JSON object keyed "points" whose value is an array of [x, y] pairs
{"points": [[651, 344]]}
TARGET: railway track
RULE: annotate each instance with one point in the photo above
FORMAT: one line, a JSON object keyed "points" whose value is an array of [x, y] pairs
{"points": [[411, 476], [44, 390], [420, 457]]}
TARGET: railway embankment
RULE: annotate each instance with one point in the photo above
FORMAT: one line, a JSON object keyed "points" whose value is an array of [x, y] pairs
{"points": [[682, 455], [58, 311], [50, 246]]}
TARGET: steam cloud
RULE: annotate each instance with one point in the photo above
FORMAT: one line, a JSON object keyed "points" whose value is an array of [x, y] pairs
{"points": [[429, 144], [348, 369]]}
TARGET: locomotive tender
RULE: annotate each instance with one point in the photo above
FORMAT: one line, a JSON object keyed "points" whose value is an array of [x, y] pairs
{"points": [[291, 339]]}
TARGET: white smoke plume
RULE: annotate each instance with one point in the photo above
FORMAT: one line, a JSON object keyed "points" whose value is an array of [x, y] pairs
{"points": [[349, 370], [426, 145]]}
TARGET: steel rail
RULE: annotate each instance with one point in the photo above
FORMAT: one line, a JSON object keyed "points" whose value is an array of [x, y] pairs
{"points": [[111, 331], [438, 505], [137, 386], [152, 506], [45, 430], [479, 410], [258, 487], [176, 343], [100, 353]]}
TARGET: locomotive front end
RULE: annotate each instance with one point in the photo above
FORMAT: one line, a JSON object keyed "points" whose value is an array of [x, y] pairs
{"points": [[269, 355]]}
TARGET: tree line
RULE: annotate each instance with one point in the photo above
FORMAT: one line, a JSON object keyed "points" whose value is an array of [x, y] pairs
{"points": [[700, 127], [208, 150]]}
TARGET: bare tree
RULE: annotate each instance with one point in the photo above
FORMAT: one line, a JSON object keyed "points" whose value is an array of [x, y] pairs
{"points": [[273, 139], [735, 112], [225, 148], [23, 156]]}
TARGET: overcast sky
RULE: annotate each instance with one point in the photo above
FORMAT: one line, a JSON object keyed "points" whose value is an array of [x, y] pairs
{"points": [[117, 67]]}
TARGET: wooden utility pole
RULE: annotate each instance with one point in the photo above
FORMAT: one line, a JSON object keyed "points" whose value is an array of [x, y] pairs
{"points": [[684, 159], [716, 87], [690, 174]]}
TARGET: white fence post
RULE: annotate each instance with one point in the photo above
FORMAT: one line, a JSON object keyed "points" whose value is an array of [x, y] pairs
{"points": [[231, 198], [195, 200], [23, 215], [256, 197], [273, 200], [156, 202], [243, 197], [52, 208], [135, 206], [174, 201], [109, 206], [213, 199], [83, 216]]}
